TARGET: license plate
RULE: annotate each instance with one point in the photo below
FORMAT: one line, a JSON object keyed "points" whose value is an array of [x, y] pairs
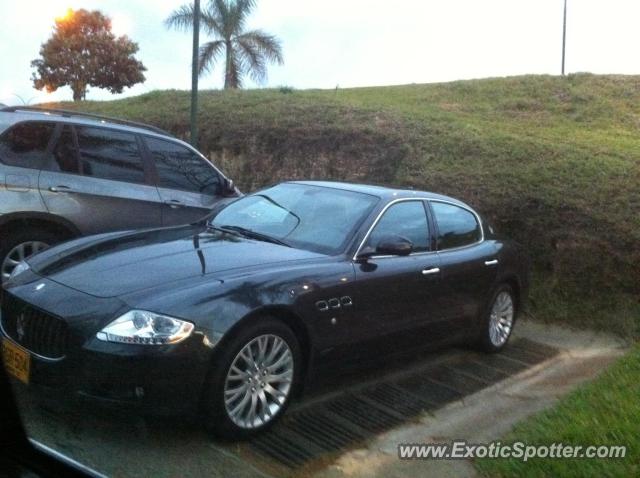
{"points": [[17, 361]]}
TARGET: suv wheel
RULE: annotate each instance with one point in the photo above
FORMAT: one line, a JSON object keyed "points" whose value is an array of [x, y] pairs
{"points": [[253, 380], [19, 245]]}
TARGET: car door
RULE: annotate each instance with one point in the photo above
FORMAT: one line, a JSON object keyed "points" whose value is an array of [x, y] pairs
{"points": [[467, 263], [23, 149], [97, 179], [397, 293], [189, 186]]}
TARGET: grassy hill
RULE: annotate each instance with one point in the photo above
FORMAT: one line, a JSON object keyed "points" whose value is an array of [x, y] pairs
{"points": [[553, 162]]}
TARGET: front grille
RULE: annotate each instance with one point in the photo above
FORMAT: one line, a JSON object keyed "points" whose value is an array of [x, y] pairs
{"points": [[35, 330]]}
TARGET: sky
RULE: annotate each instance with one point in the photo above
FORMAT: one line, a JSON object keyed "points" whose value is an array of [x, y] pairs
{"points": [[349, 43]]}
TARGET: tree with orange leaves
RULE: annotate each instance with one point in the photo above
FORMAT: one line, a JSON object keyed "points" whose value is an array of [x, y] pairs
{"points": [[83, 52]]}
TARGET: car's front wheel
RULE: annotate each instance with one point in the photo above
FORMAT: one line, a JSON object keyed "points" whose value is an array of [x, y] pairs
{"points": [[498, 321], [251, 385]]}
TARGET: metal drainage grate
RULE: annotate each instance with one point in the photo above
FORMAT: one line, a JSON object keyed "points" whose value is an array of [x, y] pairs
{"points": [[460, 382], [284, 447], [479, 370], [402, 401], [325, 430], [326, 427], [362, 413], [504, 364]]}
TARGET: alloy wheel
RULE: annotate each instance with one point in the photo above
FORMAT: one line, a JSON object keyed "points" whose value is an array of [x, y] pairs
{"points": [[501, 319], [18, 254], [259, 381]]}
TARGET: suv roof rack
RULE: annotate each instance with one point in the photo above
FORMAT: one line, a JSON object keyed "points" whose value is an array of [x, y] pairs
{"points": [[69, 114]]}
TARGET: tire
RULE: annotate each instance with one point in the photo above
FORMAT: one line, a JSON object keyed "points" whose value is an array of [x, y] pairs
{"points": [[492, 339], [25, 236], [222, 382]]}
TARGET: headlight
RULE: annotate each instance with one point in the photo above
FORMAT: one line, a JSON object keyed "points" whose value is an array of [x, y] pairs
{"points": [[19, 269], [142, 327]]}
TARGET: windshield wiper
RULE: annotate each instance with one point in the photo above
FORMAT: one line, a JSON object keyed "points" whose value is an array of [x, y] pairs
{"points": [[276, 204], [250, 233]]}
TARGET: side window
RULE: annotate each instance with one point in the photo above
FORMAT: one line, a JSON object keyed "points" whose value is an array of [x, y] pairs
{"points": [[180, 168], [456, 226], [65, 155], [407, 219], [109, 154], [25, 144]]}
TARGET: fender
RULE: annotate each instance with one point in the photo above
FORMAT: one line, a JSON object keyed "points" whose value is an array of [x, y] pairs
{"points": [[25, 216]]}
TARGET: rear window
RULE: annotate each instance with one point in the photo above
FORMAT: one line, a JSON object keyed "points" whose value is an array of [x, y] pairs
{"points": [[457, 227], [25, 144]]}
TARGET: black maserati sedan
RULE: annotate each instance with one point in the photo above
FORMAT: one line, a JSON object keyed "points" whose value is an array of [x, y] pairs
{"points": [[228, 317]]}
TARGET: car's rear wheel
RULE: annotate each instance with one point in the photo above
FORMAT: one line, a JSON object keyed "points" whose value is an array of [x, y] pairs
{"points": [[17, 246], [253, 380], [498, 321]]}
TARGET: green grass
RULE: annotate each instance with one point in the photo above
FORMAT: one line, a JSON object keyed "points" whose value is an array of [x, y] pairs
{"points": [[552, 162], [603, 412]]}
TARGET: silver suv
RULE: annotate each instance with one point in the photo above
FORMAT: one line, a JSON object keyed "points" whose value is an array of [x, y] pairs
{"points": [[65, 174]]}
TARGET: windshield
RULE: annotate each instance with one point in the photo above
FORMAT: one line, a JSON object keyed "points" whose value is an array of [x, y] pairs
{"points": [[315, 218]]}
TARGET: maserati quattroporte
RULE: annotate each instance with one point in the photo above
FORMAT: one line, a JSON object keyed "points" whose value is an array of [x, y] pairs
{"points": [[229, 316]]}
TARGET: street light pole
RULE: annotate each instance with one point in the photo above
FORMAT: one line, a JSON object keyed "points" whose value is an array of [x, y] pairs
{"points": [[564, 34], [194, 74]]}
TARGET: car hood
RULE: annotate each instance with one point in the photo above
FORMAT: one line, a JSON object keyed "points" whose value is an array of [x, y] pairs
{"points": [[118, 264]]}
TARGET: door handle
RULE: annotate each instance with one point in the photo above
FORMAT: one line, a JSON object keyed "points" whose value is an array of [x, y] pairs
{"points": [[174, 204], [491, 263], [60, 189], [433, 270]]}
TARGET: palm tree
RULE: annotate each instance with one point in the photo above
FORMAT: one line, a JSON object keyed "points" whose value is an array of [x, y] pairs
{"points": [[245, 52]]}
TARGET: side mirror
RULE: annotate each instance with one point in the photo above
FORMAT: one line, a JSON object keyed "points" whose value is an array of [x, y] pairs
{"points": [[229, 188], [389, 246]]}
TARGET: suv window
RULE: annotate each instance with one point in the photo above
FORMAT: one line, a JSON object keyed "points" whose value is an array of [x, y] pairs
{"points": [[180, 168], [109, 154], [407, 219], [457, 226], [25, 144]]}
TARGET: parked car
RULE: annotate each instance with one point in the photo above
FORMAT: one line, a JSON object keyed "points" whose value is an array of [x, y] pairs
{"points": [[67, 174], [228, 316]]}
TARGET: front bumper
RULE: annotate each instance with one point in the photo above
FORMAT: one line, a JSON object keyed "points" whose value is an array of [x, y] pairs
{"points": [[158, 379]]}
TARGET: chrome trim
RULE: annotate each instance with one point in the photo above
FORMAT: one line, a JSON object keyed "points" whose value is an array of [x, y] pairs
{"points": [[433, 270], [6, 336], [65, 459], [491, 263], [346, 301], [413, 254], [395, 201], [322, 305], [334, 303]]}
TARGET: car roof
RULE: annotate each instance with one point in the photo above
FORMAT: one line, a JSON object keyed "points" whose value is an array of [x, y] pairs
{"points": [[12, 116], [383, 192]]}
